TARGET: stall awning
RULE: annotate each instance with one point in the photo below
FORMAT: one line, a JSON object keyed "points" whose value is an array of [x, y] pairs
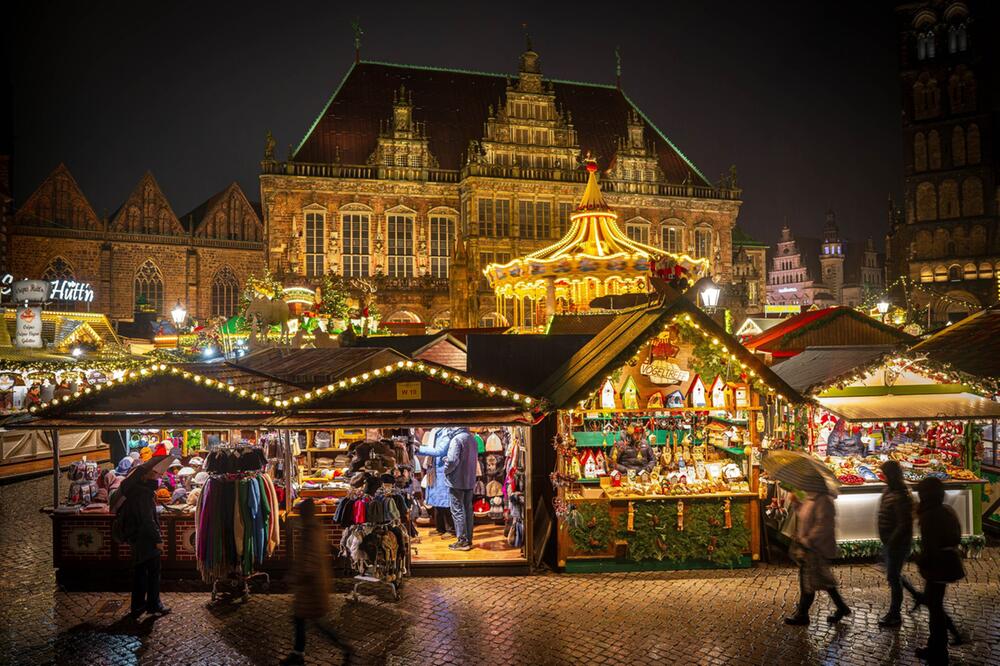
{"points": [[912, 407]]}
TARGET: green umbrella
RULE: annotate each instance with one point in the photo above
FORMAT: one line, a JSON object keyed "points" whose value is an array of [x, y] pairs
{"points": [[801, 470]]}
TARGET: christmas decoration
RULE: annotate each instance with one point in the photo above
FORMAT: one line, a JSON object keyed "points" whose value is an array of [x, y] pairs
{"points": [[680, 515], [655, 536], [590, 526]]}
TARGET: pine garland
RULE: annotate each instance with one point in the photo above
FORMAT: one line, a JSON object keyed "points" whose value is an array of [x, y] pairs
{"points": [[590, 526], [704, 537], [865, 548]]}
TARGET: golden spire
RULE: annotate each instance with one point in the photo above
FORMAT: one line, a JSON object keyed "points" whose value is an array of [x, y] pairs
{"points": [[592, 197]]}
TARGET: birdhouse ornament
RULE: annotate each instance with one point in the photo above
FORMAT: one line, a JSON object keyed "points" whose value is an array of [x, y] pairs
{"points": [[608, 395], [696, 393]]}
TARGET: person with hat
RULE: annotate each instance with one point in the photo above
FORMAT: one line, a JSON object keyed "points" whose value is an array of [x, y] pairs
{"points": [[141, 527]]}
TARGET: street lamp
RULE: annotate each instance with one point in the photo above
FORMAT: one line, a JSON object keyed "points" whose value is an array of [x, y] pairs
{"points": [[710, 296], [179, 314], [883, 309]]}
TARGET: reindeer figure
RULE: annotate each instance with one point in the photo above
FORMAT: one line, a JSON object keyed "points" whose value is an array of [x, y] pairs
{"points": [[367, 289]]}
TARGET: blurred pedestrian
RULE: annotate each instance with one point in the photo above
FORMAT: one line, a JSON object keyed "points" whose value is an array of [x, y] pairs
{"points": [[460, 468], [940, 563], [895, 529], [140, 523], [814, 546], [310, 579]]}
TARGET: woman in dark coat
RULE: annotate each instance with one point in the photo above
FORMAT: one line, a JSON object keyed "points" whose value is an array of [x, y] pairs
{"points": [[940, 563], [310, 579], [895, 529], [815, 545]]}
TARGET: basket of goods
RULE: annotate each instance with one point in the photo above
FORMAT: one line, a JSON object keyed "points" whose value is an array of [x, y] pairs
{"points": [[961, 474], [850, 479], [920, 462]]}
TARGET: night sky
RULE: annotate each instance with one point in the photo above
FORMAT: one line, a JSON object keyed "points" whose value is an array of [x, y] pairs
{"points": [[801, 96]]}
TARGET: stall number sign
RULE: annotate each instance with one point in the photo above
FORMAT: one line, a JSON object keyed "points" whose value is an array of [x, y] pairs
{"points": [[407, 390], [59, 290]]}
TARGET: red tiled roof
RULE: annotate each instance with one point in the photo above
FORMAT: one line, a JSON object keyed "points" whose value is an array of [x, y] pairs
{"points": [[454, 106], [760, 342]]}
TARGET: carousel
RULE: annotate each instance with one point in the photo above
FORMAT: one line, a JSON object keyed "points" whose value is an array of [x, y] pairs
{"points": [[594, 259]]}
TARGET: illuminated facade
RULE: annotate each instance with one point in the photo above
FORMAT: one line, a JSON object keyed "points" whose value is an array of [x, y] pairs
{"points": [[418, 178]]}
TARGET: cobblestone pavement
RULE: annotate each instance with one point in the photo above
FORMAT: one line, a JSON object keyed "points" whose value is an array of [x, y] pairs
{"points": [[699, 617]]}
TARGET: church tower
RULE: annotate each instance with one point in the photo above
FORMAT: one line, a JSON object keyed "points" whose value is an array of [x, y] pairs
{"points": [[832, 258]]}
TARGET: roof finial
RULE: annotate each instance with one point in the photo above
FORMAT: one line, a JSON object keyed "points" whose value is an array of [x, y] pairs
{"points": [[358, 32], [618, 67], [527, 37]]}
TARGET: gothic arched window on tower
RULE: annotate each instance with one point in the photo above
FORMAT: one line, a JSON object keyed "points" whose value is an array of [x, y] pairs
{"points": [[972, 150], [934, 149], [972, 196], [948, 200], [926, 202], [919, 152], [958, 146], [925, 45], [148, 288], [225, 293], [57, 269]]}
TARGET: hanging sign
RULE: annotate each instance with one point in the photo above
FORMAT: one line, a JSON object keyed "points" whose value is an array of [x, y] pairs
{"points": [[28, 333], [407, 390], [31, 291], [56, 290]]}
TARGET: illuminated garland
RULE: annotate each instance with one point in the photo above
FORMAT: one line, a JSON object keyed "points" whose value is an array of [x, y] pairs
{"points": [[942, 373], [907, 284], [443, 375]]}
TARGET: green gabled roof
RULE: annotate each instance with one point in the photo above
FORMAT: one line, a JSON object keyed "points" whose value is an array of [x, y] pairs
{"points": [[742, 239]]}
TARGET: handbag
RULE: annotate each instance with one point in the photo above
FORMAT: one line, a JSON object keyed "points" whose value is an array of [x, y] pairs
{"points": [[946, 567], [790, 524]]}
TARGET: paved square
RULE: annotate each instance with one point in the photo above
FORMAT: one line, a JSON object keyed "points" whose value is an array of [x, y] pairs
{"points": [[699, 617]]}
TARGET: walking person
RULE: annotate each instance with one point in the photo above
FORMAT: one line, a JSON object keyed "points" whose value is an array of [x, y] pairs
{"points": [[460, 469], [438, 496], [895, 529], [141, 530], [310, 581], [814, 546], [940, 563]]}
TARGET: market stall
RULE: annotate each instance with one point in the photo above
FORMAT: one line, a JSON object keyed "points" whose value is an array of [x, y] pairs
{"points": [[872, 404], [660, 422]]}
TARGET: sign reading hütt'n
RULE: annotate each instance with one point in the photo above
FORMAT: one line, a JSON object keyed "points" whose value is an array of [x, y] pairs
{"points": [[59, 290]]}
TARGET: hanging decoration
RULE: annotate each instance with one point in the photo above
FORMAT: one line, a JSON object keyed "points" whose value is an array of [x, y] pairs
{"points": [[656, 537], [590, 526]]}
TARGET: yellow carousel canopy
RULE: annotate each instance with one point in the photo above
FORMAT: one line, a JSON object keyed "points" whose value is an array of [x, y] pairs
{"points": [[594, 258]]}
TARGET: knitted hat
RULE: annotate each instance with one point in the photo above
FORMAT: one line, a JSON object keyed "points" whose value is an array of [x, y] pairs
{"points": [[494, 489], [124, 465], [162, 495], [134, 455], [185, 471], [481, 507], [145, 453], [200, 479], [176, 464], [180, 495], [494, 444], [196, 462]]}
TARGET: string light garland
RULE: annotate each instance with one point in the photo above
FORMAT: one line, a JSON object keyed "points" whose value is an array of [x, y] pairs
{"points": [[908, 284], [942, 373], [441, 374]]}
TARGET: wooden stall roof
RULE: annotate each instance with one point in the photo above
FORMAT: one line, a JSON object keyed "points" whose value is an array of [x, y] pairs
{"points": [[521, 362], [972, 345], [816, 367], [912, 407], [837, 326], [618, 342], [441, 348], [306, 368]]}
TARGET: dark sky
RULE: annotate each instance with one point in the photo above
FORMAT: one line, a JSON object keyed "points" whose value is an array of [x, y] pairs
{"points": [[801, 96]]}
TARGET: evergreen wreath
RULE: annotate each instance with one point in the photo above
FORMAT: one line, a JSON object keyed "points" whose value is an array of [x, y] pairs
{"points": [[704, 537], [590, 526]]}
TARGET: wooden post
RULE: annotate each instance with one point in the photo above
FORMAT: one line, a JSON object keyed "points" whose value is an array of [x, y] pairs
{"points": [[288, 469], [54, 437]]}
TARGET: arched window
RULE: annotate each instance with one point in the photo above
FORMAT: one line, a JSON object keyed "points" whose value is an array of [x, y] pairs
{"points": [[942, 239], [977, 239], [923, 243], [315, 232], [703, 243], [148, 288], [926, 202], [357, 244], [57, 269], [934, 149], [972, 149], [672, 236], [919, 152], [985, 270], [637, 229], [442, 240], [954, 273], [225, 293], [399, 230], [926, 274], [403, 317], [958, 146], [969, 271], [925, 45], [948, 200], [972, 196], [940, 273], [919, 99]]}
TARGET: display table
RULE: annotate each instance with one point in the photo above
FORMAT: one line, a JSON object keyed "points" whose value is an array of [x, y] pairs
{"points": [[646, 533], [857, 515]]}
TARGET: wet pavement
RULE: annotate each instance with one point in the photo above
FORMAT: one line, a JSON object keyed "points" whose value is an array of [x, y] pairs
{"points": [[698, 617]]}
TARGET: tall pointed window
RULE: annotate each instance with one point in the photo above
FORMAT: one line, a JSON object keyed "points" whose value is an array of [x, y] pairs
{"points": [[638, 231], [357, 249], [442, 239], [315, 242], [400, 237], [225, 293], [703, 243], [673, 237], [57, 269], [148, 288]]}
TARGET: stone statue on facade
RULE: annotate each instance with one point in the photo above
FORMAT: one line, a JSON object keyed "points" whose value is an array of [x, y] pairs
{"points": [[269, 146]]}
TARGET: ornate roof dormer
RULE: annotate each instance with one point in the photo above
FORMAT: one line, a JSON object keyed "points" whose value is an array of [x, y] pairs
{"points": [[635, 157], [402, 141], [530, 73]]}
